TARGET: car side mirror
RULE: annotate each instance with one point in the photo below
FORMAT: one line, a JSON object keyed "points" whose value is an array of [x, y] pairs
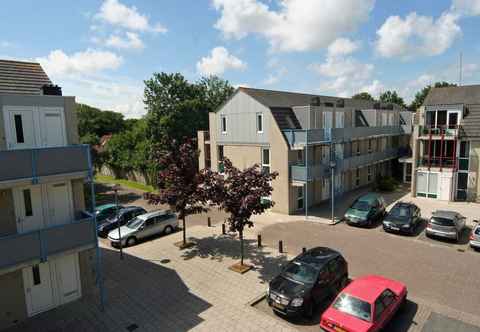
{"points": [[475, 221], [141, 228]]}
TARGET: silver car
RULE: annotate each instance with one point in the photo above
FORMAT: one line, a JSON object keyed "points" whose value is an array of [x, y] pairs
{"points": [[448, 224], [475, 237], [145, 225]]}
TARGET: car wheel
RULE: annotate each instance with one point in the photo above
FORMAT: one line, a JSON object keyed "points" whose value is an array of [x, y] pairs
{"points": [[168, 230], [131, 241]]}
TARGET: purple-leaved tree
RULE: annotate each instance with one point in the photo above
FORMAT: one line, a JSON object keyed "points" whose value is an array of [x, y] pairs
{"points": [[180, 183], [241, 193]]}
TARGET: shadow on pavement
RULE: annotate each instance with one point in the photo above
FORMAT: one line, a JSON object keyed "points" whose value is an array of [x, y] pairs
{"points": [[216, 247], [105, 195]]}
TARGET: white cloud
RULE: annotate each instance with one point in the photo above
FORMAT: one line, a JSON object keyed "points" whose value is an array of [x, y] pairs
{"points": [[298, 25], [466, 7], [118, 14], [344, 75], [131, 41], [86, 62], [276, 76], [417, 35], [218, 62], [342, 46]]}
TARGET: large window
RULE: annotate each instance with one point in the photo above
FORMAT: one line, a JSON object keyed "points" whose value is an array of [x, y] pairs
{"points": [[19, 128], [224, 124], [427, 184], [259, 123]]}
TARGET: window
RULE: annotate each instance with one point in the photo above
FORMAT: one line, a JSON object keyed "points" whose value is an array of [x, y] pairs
{"points": [[300, 156], [224, 124], [36, 275], [369, 146], [358, 148], [266, 160], [27, 199], [379, 308], [333, 266], [369, 174], [259, 123], [357, 177], [150, 222], [220, 159], [19, 128], [299, 198], [388, 297]]}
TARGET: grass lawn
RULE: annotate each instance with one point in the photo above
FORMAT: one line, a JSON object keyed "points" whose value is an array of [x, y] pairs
{"points": [[122, 182]]}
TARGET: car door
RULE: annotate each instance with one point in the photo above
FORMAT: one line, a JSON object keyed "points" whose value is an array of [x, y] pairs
{"points": [[147, 229], [333, 271], [321, 289], [385, 307]]}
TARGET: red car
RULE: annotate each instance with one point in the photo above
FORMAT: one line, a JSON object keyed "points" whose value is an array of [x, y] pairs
{"points": [[367, 304]]}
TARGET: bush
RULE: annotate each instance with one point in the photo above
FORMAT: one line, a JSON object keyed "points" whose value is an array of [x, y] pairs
{"points": [[386, 183]]}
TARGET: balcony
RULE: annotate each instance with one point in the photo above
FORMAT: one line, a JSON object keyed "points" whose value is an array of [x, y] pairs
{"points": [[443, 162], [445, 131], [40, 244], [302, 173], [299, 137], [32, 164]]}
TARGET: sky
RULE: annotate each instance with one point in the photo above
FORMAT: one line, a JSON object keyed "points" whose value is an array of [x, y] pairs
{"points": [[101, 51]]}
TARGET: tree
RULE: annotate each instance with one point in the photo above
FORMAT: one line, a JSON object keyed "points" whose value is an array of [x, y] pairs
{"points": [[392, 97], [422, 94], [215, 91], [363, 96], [91, 120], [180, 182], [239, 193]]}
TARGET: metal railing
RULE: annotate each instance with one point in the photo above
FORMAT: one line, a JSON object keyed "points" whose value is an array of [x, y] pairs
{"points": [[40, 244], [37, 162], [337, 135], [444, 162], [448, 131], [318, 171]]}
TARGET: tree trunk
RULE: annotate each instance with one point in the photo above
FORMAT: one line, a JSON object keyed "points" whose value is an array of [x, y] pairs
{"points": [[241, 247], [184, 232]]}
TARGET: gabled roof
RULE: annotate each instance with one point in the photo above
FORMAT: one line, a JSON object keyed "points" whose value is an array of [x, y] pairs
{"points": [[467, 94], [271, 98], [19, 77]]}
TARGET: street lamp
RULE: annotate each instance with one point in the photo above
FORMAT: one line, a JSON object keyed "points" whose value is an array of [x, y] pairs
{"points": [[332, 171], [116, 188]]}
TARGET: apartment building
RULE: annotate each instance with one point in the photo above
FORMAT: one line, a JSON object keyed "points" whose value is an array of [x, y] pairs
{"points": [[305, 138], [47, 246], [447, 144]]}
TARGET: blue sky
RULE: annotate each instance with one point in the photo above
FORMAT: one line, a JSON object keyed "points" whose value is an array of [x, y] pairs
{"points": [[102, 50]]}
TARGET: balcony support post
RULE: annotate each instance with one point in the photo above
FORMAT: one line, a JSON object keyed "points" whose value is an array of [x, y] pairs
{"points": [[429, 148], [95, 227], [34, 167], [441, 148]]}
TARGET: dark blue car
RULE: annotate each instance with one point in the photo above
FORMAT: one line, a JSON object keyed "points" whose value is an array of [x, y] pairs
{"points": [[125, 214]]}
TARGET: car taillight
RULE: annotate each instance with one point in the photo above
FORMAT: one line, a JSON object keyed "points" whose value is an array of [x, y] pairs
{"points": [[327, 323], [472, 236]]}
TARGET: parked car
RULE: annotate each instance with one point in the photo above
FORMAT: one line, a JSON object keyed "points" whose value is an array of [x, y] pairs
{"points": [[106, 211], [402, 218], [307, 280], [475, 237], [145, 225], [124, 215], [366, 304], [365, 210], [448, 224]]}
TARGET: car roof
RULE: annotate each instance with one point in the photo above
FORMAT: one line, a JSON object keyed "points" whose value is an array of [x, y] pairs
{"points": [[156, 213], [370, 197], [444, 214], [317, 257], [404, 204], [367, 288], [131, 208]]}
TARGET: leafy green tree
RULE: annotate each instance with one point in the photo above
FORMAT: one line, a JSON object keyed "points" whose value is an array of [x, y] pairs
{"points": [[422, 94], [392, 97], [91, 120], [215, 91], [363, 96]]}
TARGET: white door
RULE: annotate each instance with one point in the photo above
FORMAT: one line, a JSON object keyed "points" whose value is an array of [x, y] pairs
{"points": [[59, 203], [52, 127], [339, 151], [19, 128], [28, 208], [327, 120], [39, 293], [68, 278]]}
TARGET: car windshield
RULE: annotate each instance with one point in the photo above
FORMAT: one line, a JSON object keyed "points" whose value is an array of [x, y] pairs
{"points": [[477, 231], [442, 221], [361, 205], [353, 306], [134, 223], [400, 212], [301, 272]]}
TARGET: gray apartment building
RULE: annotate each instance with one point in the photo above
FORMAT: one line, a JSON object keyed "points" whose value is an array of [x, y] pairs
{"points": [[47, 246], [305, 138], [447, 144]]}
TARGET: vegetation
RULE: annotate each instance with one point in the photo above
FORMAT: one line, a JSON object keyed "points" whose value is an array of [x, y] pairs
{"points": [[386, 183], [180, 183], [240, 193], [124, 183], [391, 97], [422, 94], [363, 96]]}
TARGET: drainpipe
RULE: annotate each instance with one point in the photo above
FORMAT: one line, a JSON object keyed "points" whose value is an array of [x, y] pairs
{"points": [[97, 248]]}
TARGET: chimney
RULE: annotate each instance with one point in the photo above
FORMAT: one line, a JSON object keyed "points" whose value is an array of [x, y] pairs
{"points": [[51, 90]]}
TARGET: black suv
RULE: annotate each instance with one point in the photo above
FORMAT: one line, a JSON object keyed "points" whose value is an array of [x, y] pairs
{"points": [[125, 214], [307, 280]]}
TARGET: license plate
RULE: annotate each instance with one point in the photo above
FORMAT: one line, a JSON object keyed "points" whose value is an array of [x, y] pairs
{"points": [[278, 305]]}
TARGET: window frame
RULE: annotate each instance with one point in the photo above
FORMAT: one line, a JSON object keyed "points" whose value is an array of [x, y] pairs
{"points": [[259, 122], [223, 124]]}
